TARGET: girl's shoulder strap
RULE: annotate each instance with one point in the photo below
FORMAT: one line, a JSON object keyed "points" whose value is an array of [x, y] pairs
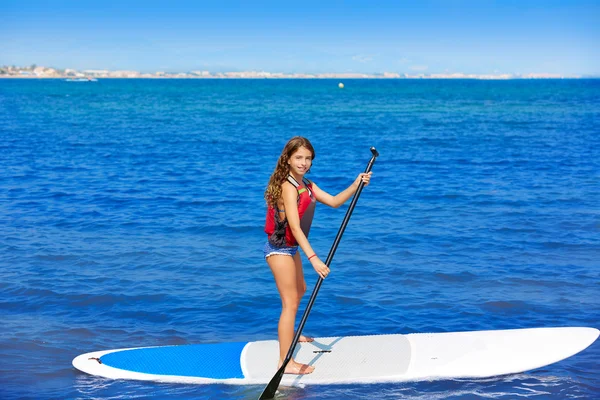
{"points": [[293, 181], [307, 185]]}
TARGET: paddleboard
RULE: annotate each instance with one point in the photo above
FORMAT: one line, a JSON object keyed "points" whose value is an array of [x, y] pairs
{"points": [[347, 359]]}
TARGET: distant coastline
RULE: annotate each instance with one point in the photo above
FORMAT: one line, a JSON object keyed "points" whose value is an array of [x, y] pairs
{"points": [[34, 71]]}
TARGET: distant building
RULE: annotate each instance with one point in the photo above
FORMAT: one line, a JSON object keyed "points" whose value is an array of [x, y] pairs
{"points": [[38, 71], [124, 74], [97, 72], [201, 73]]}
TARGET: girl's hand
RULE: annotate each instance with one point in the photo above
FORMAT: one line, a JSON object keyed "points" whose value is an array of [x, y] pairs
{"points": [[365, 177], [319, 266]]}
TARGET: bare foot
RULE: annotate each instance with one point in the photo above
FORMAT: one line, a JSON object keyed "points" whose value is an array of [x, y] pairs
{"points": [[296, 368], [306, 339]]}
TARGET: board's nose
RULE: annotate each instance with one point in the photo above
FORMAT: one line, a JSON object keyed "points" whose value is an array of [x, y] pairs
{"points": [[586, 335]]}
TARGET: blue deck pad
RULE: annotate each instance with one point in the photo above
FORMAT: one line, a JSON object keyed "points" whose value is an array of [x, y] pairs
{"points": [[216, 361]]}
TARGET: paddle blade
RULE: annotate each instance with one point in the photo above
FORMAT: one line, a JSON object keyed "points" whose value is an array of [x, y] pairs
{"points": [[271, 389]]}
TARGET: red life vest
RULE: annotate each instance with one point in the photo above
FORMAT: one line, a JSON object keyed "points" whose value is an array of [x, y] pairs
{"points": [[278, 231]]}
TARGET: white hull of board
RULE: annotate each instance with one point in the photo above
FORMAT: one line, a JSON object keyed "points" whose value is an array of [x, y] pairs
{"points": [[363, 359]]}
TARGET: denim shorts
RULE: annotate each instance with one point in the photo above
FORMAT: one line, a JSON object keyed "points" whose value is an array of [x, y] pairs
{"points": [[285, 251]]}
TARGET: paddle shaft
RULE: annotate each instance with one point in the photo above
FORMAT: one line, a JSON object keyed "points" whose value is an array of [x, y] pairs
{"points": [[271, 388]]}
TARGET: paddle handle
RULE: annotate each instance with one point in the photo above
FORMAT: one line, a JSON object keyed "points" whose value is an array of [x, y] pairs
{"points": [[361, 185]]}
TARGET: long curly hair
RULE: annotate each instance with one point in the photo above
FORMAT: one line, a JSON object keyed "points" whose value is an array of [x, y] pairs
{"points": [[273, 192]]}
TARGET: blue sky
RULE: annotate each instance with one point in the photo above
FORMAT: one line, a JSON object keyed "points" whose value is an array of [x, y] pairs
{"points": [[417, 36]]}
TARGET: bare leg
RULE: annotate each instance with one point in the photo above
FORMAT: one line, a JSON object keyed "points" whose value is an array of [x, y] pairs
{"points": [[285, 273], [301, 288]]}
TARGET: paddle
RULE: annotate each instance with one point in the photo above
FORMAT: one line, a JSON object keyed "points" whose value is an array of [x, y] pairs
{"points": [[271, 388]]}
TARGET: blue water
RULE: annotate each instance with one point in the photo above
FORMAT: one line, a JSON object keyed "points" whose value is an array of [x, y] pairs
{"points": [[131, 214]]}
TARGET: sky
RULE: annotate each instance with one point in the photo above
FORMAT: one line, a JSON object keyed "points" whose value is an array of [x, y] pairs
{"points": [[403, 36]]}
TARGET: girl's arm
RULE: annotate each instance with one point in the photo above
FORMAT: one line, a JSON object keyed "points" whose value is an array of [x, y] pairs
{"points": [[339, 199], [290, 202]]}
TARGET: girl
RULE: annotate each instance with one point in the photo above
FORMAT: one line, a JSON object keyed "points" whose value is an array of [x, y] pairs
{"points": [[291, 200]]}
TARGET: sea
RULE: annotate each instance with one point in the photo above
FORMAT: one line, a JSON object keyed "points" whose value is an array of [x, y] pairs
{"points": [[132, 214]]}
